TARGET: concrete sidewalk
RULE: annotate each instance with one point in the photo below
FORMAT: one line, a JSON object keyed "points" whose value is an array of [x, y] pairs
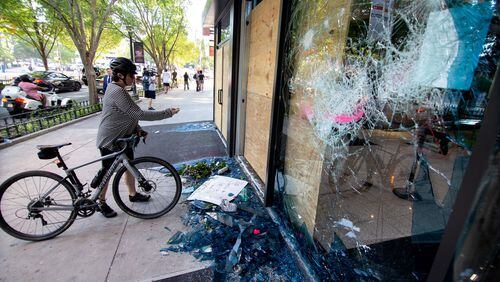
{"points": [[122, 248]]}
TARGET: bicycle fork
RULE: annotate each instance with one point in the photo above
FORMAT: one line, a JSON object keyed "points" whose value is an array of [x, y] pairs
{"points": [[143, 183]]}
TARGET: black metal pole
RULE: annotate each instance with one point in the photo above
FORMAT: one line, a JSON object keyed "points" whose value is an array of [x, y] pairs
{"points": [[134, 90]]}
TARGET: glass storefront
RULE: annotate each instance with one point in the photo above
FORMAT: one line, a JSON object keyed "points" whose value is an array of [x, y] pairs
{"points": [[384, 105]]}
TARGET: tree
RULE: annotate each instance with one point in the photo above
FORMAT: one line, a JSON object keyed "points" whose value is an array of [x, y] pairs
{"points": [[22, 50], [6, 54], [32, 23], [156, 23], [185, 51], [84, 22]]}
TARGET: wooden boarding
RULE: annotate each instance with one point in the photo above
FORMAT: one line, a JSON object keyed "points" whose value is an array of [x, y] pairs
{"points": [[218, 85], [263, 44], [226, 80]]}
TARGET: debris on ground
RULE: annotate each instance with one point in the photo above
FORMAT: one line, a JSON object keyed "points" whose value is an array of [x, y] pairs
{"points": [[228, 206], [243, 244], [222, 170], [217, 189]]}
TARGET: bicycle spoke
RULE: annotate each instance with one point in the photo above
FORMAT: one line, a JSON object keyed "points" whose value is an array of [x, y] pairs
{"points": [[28, 189]]}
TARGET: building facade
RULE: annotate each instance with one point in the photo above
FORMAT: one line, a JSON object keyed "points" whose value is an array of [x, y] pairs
{"points": [[371, 126]]}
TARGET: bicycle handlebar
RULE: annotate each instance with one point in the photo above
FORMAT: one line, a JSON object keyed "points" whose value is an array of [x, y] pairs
{"points": [[134, 140]]}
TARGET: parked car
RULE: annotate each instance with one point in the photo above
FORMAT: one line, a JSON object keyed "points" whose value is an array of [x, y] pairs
{"points": [[98, 72], [57, 81], [99, 83]]}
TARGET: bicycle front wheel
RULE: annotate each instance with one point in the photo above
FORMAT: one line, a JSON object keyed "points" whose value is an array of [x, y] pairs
{"points": [[163, 186], [27, 214]]}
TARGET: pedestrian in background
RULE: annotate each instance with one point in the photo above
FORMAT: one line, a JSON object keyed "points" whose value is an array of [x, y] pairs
{"points": [[195, 76], [145, 80], [186, 81], [174, 79], [107, 79], [151, 93], [201, 79], [166, 78]]}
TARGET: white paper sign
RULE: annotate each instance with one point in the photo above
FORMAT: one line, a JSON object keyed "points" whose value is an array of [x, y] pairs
{"points": [[217, 189]]}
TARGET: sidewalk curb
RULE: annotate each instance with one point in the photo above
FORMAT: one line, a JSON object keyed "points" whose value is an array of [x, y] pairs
{"points": [[47, 130]]}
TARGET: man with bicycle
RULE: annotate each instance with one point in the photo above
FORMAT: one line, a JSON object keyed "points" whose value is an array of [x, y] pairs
{"points": [[120, 118]]}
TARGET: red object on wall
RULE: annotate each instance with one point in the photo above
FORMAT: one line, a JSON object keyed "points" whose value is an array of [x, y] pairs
{"points": [[206, 31], [211, 51]]}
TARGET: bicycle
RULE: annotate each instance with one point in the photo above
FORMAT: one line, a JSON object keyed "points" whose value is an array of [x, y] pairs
{"points": [[43, 211]]}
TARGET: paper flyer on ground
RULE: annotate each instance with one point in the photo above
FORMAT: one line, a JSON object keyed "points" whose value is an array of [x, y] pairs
{"points": [[217, 189]]}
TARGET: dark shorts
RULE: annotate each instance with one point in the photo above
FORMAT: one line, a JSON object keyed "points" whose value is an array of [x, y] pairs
{"points": [[107, 163], [166, 84], [150, 94]]}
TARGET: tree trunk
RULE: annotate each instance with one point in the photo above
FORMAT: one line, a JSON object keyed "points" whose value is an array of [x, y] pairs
{"points": [[160, 71], [45, 61], [91, 77]]}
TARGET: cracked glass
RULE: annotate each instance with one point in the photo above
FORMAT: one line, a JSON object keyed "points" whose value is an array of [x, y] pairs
{"points": [[384, 101]]}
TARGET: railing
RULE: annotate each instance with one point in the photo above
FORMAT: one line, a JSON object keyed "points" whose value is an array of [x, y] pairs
{"points": [[21, 124]]}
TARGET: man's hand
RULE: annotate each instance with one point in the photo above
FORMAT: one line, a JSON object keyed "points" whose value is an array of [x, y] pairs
{"points": [[174, 110], [143, 134]]}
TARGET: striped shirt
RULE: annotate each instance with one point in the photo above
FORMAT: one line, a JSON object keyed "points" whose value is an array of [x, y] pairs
{"points": [[120, 116]]}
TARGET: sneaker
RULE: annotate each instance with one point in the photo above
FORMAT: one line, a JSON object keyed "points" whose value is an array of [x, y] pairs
{"points": [[151, 108], [138, 197], [106, 210]]}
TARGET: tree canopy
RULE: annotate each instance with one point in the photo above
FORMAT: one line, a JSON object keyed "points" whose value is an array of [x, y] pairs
{"points": [[32, 23], [157, 23], [84, 22]]}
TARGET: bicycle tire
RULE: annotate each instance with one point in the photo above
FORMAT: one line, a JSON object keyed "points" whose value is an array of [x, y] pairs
{"points": [[4, 225], [173, 172]]}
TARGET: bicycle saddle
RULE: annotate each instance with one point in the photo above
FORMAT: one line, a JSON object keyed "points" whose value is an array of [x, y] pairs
{"points": [[43, 147]]}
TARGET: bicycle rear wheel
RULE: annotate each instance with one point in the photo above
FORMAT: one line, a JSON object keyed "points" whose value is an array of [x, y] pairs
{"points": [[164, 187], [26, 189]]}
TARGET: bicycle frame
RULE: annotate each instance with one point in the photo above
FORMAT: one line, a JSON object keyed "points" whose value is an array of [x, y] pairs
{"points": [[121, 158]]}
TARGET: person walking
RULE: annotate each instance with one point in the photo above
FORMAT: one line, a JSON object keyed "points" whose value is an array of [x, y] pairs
{"points": [[166, 78], [107, 79], [195, 76], [150, 91], [201, 79], [145, 81], [120, 118], [174, 79], [186, 81]]}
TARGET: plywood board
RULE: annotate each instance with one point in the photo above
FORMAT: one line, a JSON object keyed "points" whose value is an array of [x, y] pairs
{"points": [[264, 26], [263, 47], [257, 132], [226, 90], [218, 85]]}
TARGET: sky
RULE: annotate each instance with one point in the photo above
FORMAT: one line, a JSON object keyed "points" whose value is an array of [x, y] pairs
{"points": [[194, 14]]}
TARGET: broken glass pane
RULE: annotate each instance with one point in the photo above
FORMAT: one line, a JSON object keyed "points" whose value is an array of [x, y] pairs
{"points": [[384, 102]]}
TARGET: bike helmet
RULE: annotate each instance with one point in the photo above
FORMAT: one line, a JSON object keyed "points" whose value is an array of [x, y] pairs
{"points": [[123, 65], [25, 78]]}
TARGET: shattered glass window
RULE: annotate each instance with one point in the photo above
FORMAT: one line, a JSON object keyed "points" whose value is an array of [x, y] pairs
{"points": [[384, 102]]}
